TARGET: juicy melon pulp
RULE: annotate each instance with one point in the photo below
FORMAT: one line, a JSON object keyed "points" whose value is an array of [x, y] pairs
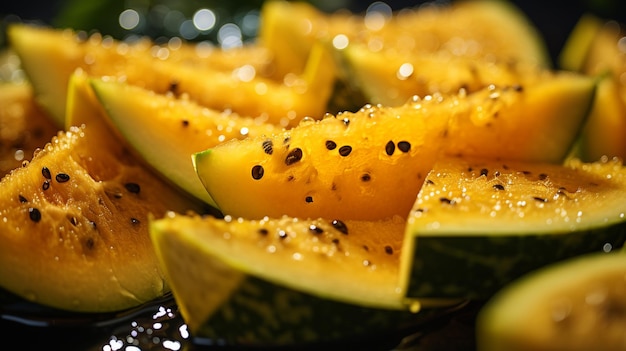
{"points": [[276, 281], [24, 127], [593, 49], [479, 224], [371, 164], [165, 130], [465, 29], [49, 57], [74, 226], [391, 77]]}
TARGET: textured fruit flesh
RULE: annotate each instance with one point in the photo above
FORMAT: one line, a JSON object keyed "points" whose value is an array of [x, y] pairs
{"points": [[371, 164], [286, 276], [166, 130], [466, 29], [24, 127], [74, 225], [502, 219], [50, 56]]}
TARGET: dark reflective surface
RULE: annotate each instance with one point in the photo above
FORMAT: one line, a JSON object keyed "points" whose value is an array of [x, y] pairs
{"points": [[159, 326]]}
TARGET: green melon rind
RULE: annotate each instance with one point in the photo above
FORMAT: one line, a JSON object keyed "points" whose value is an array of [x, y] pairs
{"points": [[511, 320], [220, 301], [577, 45], [478, 266], [477, 254]]}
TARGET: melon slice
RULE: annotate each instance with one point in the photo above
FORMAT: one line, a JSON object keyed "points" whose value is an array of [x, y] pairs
{"points": [[164, 130], [576, 305], [476, 226], [24, 127], [371, 164], [287, 281], [49, 57], [593, 48], [465, 28]]}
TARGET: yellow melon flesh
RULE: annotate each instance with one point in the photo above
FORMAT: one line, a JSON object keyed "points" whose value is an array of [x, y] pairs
{"points": [[49, 56], [24, 127], [371, 164], [74, 226]]}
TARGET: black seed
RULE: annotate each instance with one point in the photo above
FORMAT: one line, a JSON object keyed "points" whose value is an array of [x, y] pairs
{"points": [[23, 199], [390, 148], [257, 172], [445, 200], [388, 250], [496, 173], [134, 221], [308, 199], [294, 156], [93, 224], [340, 226], [335, 241], [62, 177], [540, 199], [185, 122], [73, 220], [404, 146], [173, 88], [34, 214], [291, 178], [315, 229], [367, 263], [117, 195], [268, 147], [429, 182], [518, 88], [366, 177], [346, 121], [484, 172], [286, 140], [282, 234], [331, 145], [89, 243], [543, 176], [263, 231], [46, 173], [345, 150], [366, 248], [498, 186], [46, 185], [133, 187]]}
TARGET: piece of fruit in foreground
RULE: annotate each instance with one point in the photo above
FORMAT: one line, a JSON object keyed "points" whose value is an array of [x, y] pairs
{"points": [[285, 281], [74, 226], [478, 225], [575, 305], [371, 163]]}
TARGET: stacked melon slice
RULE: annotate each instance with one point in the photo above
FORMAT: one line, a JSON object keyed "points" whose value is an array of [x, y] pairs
{"points": [[332, 225]]}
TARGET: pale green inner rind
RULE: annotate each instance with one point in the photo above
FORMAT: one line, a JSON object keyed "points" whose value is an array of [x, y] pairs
{"points": [[520, 317], [140, 131]]}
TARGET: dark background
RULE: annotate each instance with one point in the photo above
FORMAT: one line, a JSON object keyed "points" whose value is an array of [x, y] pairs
{"points": [[554, 19]]}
